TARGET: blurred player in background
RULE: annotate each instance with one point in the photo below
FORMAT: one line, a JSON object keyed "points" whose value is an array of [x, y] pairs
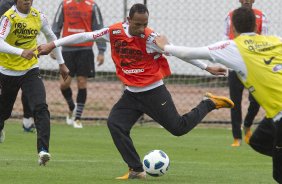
{"points": [[141, 67], [76, 16], [28, 121], [19, 69], [235, 85], [257, 60]]}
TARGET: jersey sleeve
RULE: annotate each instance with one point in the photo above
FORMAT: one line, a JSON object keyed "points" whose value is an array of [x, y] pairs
{"points": [[97, 23], [5, 27], [58, 21], [151, 45], [99, 35], [227, 53], [50, 36]]}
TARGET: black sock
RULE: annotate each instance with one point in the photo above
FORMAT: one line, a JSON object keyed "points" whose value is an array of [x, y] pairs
{"points": [[67, 93], [80, 100]]}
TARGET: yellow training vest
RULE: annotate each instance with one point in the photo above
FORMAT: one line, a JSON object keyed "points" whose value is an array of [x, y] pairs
{"points": [[23, 35], [263, 58]]}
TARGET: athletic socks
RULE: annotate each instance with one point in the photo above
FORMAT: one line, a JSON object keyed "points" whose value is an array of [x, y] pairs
{"points": [[67, 93], [80, 102]]}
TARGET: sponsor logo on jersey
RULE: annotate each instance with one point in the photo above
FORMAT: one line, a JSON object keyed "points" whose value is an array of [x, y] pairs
{"points": [[73, 23], [220, 47], [12, 16], [141, 70], [17, 43], [100, 34], [126, 52], [34, 14], [22, 31], [4, 26], [118, 31], [277, 68], [267, 62]]}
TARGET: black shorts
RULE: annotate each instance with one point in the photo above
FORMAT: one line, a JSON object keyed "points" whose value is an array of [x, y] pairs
{"points": [[80, 63]]}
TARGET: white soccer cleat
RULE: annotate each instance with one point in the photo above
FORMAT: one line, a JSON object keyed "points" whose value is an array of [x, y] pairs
{"points": [[44, 157], [71, 116], [69, 120], [2, 136], [77, 124]]}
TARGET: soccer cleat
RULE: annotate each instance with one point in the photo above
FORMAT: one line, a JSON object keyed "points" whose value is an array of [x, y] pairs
{"points": [[30, 129], [236, 143], [44, 157], [248, 134], [77, 124], [219, 101], [69, 119], [133, 175], [2, 136]]}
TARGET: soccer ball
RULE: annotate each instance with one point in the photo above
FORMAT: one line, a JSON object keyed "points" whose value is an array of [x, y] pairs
{"points": [[156, 163]]}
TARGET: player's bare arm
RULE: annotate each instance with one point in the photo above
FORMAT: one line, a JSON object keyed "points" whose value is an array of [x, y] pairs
{"points": [[161, 41], [100, 59], [64, 71], [28, 54], [45, 49], [216, 70]]}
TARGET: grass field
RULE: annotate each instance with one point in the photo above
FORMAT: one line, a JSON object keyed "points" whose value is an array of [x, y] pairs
{"points": [[84, 156]]}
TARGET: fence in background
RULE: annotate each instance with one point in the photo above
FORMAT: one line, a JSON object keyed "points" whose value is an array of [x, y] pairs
{"points": [[185, 22]]}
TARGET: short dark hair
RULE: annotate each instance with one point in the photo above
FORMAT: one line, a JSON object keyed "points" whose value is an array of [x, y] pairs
{"points": [[139, 8], [244, 20]]}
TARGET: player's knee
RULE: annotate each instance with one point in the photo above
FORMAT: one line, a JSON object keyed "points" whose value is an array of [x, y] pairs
{"points": [[260, 147], [111, 124], [41, 109], [177, 133], [116, 129], [175, 130]]}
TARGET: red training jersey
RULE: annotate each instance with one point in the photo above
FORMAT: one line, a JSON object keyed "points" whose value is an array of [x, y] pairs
{"points": [[78, 19], [258, 15], [134, 66]]}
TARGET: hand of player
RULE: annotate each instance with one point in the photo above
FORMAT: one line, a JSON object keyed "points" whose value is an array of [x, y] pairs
{"points": [[28, 54], [64, 71], [161, 41], [217, 70], [45, 49], [100, 59]]}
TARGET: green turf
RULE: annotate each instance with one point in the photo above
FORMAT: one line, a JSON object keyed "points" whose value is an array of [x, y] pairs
{"points": [[88, 155]]}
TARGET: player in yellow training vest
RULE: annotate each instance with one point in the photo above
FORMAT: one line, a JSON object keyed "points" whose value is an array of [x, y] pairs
{"points": [[257, 60], [28, 120], [19, 69]]}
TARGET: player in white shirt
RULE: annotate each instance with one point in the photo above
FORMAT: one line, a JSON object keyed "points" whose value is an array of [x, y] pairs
{"points": [[257, 60], [19, 28], [236, 87]]}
